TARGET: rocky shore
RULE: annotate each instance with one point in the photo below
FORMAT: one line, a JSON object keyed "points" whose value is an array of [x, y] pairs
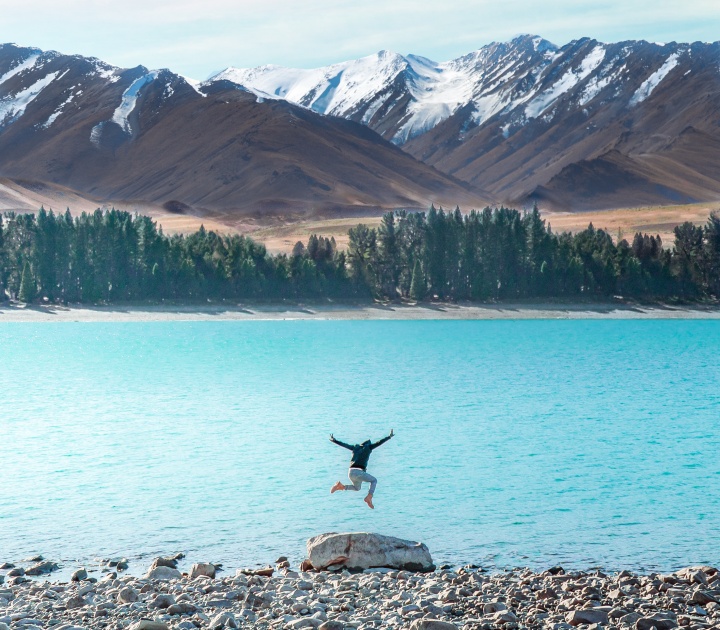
{"points": [[281, 598]]}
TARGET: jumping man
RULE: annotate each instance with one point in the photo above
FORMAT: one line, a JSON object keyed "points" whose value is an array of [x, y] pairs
{"points": [[357, 473]]}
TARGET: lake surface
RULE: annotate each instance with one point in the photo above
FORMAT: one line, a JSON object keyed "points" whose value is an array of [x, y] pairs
{"points": [[518, 443]]}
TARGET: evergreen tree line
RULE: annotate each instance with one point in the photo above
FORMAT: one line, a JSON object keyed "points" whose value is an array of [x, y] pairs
{"points": [[493, 254], [497, 254]]}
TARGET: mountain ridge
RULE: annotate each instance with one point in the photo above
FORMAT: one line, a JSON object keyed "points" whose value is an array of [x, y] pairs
{"points": [[528, 110], [153, 136]]}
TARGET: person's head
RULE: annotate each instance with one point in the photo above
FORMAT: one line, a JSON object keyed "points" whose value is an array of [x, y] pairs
{"points": [[367, 443]]}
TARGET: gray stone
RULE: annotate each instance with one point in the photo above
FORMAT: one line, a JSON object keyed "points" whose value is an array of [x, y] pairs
{"points": [[702, 598], [80, 574], [657, 621], [202, 569], [181, 608], [362, 550], [164, 562], [333, 624], [127, 595], [163, 573], [162, 600], [41, 568], [75, 602], [304, 622], [493, 607], [590, 615], [223, 620]]}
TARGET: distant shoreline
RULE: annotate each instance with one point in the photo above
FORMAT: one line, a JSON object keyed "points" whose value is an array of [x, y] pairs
{"points": [[352, 311]]}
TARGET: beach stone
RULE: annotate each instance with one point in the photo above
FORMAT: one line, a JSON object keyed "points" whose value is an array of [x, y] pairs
{"points": [[162, 600], [148, 624], [80, 574], [332, 625], [493, 607], [128, 595], [181, 608], [75, 602], [702, 598], [16, 572], [163, 573], [185, 625], [586, 616], [41, 568], [432, 624], [164, 562], [361, 550], [223, 620], [657, 621], [304, 622], [202, 569]]}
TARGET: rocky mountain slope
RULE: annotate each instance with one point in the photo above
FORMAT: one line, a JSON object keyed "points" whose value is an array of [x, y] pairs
{"points": [[69, 122], [586, 126]]}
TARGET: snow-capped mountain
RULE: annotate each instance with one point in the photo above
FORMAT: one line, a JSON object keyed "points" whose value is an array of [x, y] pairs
{"points": [[402, 97], [156, 137], [514, 117], [584, 126]]}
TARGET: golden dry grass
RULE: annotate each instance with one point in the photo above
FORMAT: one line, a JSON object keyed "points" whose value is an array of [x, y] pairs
{"points": [[623, 221], [626, 221]]}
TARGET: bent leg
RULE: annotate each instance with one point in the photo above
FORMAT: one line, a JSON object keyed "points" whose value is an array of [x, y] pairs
{"points": [[361, 475], [354, 474]]}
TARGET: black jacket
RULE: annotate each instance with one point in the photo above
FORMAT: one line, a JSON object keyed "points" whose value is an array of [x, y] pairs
{"points": [[360, 452]]}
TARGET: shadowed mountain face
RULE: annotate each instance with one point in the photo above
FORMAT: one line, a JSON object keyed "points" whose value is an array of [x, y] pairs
{"points": [[158, 138], [585, 126]]}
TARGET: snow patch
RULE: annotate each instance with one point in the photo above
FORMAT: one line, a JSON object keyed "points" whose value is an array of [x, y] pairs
{"points": [[54, 116], [96, 134], [24, 65], [568, 81], [647, 87], [129, 100], [598, 84], [13, 106]]}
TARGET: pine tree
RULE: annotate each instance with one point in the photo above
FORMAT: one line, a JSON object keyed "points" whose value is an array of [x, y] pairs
{"points": [[27, 285], [418, 285]]}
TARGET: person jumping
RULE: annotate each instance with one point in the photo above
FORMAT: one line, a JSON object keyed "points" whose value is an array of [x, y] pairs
{"points": [[358, 463]]}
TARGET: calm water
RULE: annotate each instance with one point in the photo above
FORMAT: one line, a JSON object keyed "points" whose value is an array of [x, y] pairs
{"points": [[518, 442]]}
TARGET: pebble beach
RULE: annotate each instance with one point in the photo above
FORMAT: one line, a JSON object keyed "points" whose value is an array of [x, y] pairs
{"points": [[283, 598]]}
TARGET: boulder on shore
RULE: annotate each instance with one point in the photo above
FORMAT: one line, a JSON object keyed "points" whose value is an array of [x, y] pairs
{"points": [[362, 550]]}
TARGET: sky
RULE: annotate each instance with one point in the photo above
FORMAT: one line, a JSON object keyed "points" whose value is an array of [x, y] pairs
{"points": [[199, 37]]}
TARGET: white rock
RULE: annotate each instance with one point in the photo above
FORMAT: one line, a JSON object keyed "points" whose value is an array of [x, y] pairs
{"points": [[366, 550], [202, 568], [163, 573], [128, 595]]}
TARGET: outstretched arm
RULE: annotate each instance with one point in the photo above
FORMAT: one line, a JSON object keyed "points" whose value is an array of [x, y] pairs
{"points": [[385, 439], [339, 443]]}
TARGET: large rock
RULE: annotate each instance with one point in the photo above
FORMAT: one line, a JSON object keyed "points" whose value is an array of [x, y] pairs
{"points": [[41, 568], [587, 616], [163, 573], [204, 569], [365, 551]]}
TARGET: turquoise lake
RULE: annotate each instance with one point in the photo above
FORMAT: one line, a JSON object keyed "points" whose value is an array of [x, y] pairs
{"points": [[518, 443]]}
